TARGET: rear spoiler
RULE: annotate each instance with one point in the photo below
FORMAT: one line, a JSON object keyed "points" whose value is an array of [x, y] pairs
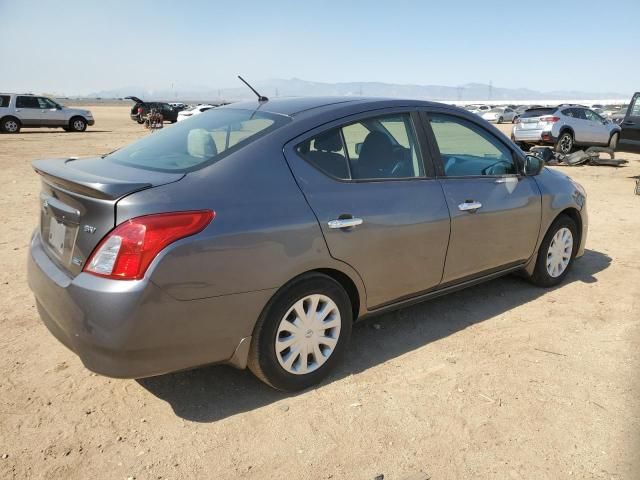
{"points": [[58, 173]]}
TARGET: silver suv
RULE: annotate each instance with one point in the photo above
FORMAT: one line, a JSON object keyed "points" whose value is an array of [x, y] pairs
{"points": [[17, 111], [564, 127]]}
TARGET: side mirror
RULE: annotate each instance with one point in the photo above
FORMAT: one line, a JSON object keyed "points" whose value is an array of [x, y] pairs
{"points": [[533, 165]]}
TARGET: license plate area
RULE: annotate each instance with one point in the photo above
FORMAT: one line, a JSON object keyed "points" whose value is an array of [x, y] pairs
{"points": [[58, 229]]}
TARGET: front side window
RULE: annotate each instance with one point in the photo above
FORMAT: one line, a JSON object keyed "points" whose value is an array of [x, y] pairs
{"points": [[27, 102], [468, 150], [383, 147], [635, 107], [593, 116], [201, 141], [46, 104]]}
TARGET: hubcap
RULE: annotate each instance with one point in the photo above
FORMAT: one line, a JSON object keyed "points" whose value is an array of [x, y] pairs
{"points": [[566, 143], [308, 334], [11, 126], [78, 124], [559, 253]]}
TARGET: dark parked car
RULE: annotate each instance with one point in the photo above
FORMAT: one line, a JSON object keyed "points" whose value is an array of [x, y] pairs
{"points": [[630, 125], [141, 109], [257, 233]]}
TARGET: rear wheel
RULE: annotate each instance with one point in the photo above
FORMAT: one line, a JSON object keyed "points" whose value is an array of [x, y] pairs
{"points": [[557, 252], [301, 334], [10, 125], [613, 141], [500, 120], [77, 124], [565, 143]]}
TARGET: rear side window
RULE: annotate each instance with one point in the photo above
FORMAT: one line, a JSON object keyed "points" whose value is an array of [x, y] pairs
{"points": [[201, 141], [4, 101], [634, 109], [468, 150], [537, 112], [27, 102], [383, 147]]}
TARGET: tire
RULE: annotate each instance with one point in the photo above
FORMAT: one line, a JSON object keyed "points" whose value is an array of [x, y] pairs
{"points": [[500, 120], [515, 118], [140, 120], [613, 141], [10, 125], [544, 275], [523, 146], [77, 124], [565, 143], [283, 370]]}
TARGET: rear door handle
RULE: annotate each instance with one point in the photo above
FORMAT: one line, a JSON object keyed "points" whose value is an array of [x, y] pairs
{"points": [[345, 222], [469, 206]]}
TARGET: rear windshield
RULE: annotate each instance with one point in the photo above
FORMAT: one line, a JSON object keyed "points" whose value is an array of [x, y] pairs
{"points": [[198, 141], [537, 112]]}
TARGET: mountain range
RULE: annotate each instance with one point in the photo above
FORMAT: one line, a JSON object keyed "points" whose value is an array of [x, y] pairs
{"points": [[297, 87]]}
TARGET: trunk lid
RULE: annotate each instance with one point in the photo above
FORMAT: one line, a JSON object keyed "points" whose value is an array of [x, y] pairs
{"points": [[78, 203]]}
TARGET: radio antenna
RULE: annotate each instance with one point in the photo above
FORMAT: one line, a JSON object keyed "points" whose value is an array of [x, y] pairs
{"points": [[260, 97]]}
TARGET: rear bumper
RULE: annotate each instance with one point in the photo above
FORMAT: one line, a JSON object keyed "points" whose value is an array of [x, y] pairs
{"points": [[133, 329]]}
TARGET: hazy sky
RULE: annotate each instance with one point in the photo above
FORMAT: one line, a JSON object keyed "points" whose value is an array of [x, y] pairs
{"points": [[78, 47]]}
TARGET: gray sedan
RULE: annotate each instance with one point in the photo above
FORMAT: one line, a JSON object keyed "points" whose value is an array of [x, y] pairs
{"points": [[255, 234]]}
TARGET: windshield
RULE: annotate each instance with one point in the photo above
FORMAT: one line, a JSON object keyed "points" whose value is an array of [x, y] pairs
{"points": [[199, 141]]}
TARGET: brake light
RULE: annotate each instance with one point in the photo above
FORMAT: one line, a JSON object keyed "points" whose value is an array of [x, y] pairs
{"points": [[549, 119], [126, 252]]}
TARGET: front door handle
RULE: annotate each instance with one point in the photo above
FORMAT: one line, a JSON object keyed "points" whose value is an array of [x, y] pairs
{"points": [[345, 222], [469, 206]]}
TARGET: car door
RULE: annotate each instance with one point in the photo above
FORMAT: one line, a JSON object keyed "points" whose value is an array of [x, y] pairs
{"points": [[599, 133], [379, 209], [581, 126], [51, 113], [630, 134], [495, 210], [28, 110]]}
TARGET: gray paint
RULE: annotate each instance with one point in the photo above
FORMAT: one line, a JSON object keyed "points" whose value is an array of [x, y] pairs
{"points": [[202, 295]]}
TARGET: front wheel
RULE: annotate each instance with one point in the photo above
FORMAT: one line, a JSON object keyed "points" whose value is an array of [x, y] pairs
{"points": [[301, 334], [565, 143], [77, 124], [500, 120], [613, 142], [557, 252]]}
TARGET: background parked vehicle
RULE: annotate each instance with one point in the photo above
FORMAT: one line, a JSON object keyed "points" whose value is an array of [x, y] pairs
{"points": [[26, 110], [141, 109], [201, 232], [564, 127], [500, 114], [630, 127], [178, 106], [197, 110]]}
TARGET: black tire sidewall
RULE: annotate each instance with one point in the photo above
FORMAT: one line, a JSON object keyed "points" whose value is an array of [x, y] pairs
{"points": [[612, 144], [540, 276], [559, 148], [263, 350], [73, 120], [5, 120]]}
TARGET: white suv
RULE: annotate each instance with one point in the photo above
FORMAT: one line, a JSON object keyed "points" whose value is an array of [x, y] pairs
{"points": [[17, 111]]}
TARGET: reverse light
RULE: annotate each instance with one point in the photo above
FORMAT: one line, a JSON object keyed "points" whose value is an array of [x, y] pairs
{"points": [[126, 252], [549, 119]]}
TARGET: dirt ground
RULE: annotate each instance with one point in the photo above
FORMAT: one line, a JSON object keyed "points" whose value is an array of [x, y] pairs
{"points": [[501, 381]]}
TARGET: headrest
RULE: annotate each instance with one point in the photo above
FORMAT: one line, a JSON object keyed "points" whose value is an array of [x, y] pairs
{"points": [[200, 144], [329, 141]]}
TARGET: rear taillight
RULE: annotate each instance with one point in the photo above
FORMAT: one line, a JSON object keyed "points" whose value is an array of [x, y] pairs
{"points": [[139, 110], [549, 119], [127, 251]]}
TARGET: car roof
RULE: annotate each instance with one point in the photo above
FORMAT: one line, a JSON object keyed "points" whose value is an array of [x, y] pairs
{"points": [[295, 106]]}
